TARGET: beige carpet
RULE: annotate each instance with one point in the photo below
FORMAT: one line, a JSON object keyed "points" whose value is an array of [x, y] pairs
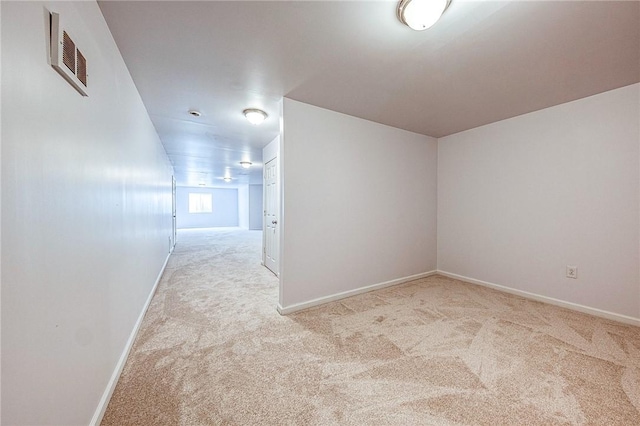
{"points": [[213, 350]]}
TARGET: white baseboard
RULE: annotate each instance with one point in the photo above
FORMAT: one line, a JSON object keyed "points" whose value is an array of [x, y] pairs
{"points": [[550, 300], [337, 296], [111, 386]]}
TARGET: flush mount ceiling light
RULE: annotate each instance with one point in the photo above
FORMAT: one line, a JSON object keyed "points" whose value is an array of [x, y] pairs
{"points": [[421, 14], [194, 113], [226, 179], [255, 116], [245, 164]]}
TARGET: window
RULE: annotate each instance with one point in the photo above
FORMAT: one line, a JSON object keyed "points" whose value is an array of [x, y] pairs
{"points": [[200, 203]]}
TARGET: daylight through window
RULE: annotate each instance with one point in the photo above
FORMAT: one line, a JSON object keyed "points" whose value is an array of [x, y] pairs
{"points": [[200, 203]]}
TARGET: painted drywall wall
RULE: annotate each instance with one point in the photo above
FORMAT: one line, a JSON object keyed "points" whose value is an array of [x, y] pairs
{"points": [[255, 207], [86, 216], [520, 199], [225, 208], [359, 203], [243, 206]]}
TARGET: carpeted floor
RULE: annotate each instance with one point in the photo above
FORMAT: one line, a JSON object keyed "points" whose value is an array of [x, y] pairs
{"points": [[213, 350]]}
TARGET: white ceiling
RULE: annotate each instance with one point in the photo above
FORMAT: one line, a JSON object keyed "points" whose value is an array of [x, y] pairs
{"points": [[482, 62]]}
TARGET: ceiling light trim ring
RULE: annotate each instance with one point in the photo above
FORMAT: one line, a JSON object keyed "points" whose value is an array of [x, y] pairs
{"points": [[402, 5]]}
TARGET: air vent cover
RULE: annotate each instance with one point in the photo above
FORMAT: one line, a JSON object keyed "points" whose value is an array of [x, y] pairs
{"points": [[68, 52], [66, 58], [81, 68]]}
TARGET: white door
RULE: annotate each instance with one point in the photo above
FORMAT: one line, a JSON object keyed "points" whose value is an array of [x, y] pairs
{"points": [[271, 226], [173, 212]]}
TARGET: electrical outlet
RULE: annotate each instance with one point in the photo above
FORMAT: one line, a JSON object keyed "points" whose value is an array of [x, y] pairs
{"points": [[572, 272]]}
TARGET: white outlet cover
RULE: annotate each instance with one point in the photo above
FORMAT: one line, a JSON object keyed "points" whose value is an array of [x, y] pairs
{"points": [[572, 272]]}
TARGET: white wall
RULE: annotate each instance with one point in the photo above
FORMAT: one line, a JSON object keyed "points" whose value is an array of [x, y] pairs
{"points": [[359, 203], [520, 199], [243, 206], [255, 207], [86, 217], [225, 208]]}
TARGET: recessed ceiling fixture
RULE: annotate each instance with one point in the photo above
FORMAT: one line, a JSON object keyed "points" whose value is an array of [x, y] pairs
{"points": [[255, 116], [226, 179], [245, 164], [195, 113], [421, 14]]}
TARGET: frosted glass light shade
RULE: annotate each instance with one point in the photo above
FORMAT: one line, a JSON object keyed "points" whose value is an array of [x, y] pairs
{"points": [[421, 14], [255, 116]]}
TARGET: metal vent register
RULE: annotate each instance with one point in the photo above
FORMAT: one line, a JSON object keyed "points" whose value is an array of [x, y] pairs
{"points": [[66, 58], [81, 68]]}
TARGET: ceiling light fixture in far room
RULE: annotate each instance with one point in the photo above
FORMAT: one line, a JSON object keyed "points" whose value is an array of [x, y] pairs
{"points": [[255, 116], [245, 164], [421, 14], [226, 179], [194, 113]]}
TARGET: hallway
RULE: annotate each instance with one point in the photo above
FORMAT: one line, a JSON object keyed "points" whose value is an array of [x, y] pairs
{"points": [[213, 299]]}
